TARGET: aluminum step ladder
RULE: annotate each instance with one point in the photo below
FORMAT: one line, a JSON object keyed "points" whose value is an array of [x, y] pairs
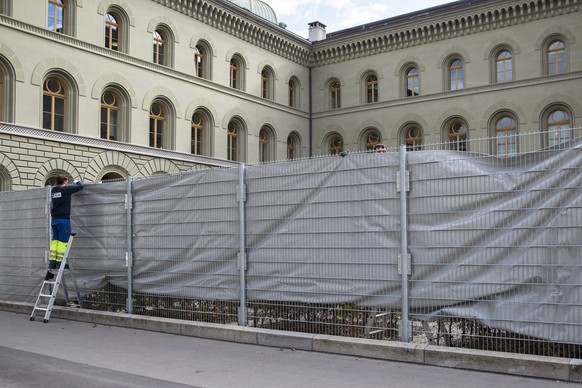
{"points": [[50, 287]]}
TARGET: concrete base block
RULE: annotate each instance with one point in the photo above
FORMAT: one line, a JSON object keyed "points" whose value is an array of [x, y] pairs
{"points": [[362, 347], [576, 370], [482, 360], [284, 339], [219, 332], [166, 325]]}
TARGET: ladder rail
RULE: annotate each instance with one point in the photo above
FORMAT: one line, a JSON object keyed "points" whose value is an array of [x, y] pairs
{"points": [[53, 287]]}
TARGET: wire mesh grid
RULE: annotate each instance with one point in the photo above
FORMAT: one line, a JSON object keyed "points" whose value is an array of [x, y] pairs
{"points": [[494, 241]]}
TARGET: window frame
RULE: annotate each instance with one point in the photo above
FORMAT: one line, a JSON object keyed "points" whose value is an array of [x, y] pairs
{"points": [[166, 42], [412, 141], [69, 98], [293, 146], [266, 144], [237, 73], [371, 88], [456, 140], [369, 138], [199, 133], [549, 53], [335, 144], [167, 118], [511, 133], [267, 83], [459, 81], [68, 13], [122, 28], [568, 131], [293, 92], [235, 140], [334, 94], [407, 79], [202, 60], [124, 121]]}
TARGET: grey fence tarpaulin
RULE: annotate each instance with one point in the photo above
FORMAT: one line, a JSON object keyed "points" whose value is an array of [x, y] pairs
{"points": [[494, 239]]}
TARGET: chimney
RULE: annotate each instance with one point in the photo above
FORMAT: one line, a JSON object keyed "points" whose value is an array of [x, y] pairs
{"points": [[316, 31]]}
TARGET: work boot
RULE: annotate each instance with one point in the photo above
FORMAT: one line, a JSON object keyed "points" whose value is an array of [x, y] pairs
{"points": [[49, 275]]}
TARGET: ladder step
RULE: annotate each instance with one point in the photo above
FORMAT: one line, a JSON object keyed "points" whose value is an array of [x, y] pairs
{"points": [[41, 308], [46, 295]]}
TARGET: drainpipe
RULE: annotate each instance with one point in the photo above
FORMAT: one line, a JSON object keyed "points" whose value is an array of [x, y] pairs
{"points": [[310, 118]]}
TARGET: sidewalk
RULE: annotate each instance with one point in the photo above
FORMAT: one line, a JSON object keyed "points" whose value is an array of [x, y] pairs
{"points": [[128, 357]]}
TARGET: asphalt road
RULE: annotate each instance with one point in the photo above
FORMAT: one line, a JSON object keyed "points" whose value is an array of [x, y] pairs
{"points": [[67, 354]]}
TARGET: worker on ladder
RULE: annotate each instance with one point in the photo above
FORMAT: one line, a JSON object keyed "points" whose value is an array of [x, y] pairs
{"points": [[61, 221]]}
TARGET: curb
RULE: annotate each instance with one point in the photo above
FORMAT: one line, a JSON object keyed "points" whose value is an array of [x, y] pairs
{"points": [[554, 368]]}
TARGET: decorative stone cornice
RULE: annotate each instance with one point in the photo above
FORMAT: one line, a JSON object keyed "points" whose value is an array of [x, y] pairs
{"points": [[244, 25], [464, 18]]}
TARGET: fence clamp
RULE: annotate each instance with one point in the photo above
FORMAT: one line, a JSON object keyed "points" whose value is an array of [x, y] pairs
{"points": [[241, 194], [405, 182], [238, 261], [409, 262], [128, 205], [128, 259]]}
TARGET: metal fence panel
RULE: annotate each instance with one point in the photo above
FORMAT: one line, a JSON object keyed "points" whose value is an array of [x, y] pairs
{"points": [[495, 243], [497, 240], [185, 238], [23, 244]]}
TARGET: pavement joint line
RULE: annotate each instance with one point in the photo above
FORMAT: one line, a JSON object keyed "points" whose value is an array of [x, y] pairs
{"points": [[555, 368]]}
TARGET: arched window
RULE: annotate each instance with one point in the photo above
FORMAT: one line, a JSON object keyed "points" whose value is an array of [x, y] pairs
{"points": [[505, 134], [558, 126], [161, 124], [371, 89], [233, 140], [159, 48], [413, 138], [6, 7], [266, 145], [111, 32], [7, 79], [234, 73], [114, 114], [335, 144], [457, 131], [293, 146], [412, 81], [158, 119], [503, 66], [199, 61], [267, 84], [54, 105], [56, 16], [60, 16], [371, 138], [110, 115], [5, 179], [556, 57], [198, 124], [456, 74], [163, 43], [293, 92], [335, 95], [203, 60]]}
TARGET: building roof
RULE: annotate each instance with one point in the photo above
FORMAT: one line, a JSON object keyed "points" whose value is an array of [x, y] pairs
{"points": [[259, 8]]}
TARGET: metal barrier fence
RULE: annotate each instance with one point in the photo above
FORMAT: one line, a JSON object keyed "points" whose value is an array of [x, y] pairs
{"points": [[454, 248]]}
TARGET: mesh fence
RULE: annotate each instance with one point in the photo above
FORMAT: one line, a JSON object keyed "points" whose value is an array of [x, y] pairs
{"points": [[464, 249]]}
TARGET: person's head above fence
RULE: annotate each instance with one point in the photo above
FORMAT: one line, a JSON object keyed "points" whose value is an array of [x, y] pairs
{"points": [[380, 148], [62, 180]]}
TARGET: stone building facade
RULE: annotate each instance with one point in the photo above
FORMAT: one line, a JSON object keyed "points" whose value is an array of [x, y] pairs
{"points": [[102, 89]]}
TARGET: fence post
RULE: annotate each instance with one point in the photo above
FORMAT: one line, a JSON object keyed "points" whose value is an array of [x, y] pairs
{"points": [[242, 259], [129, 247], [404, 259], [47, 210]]}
